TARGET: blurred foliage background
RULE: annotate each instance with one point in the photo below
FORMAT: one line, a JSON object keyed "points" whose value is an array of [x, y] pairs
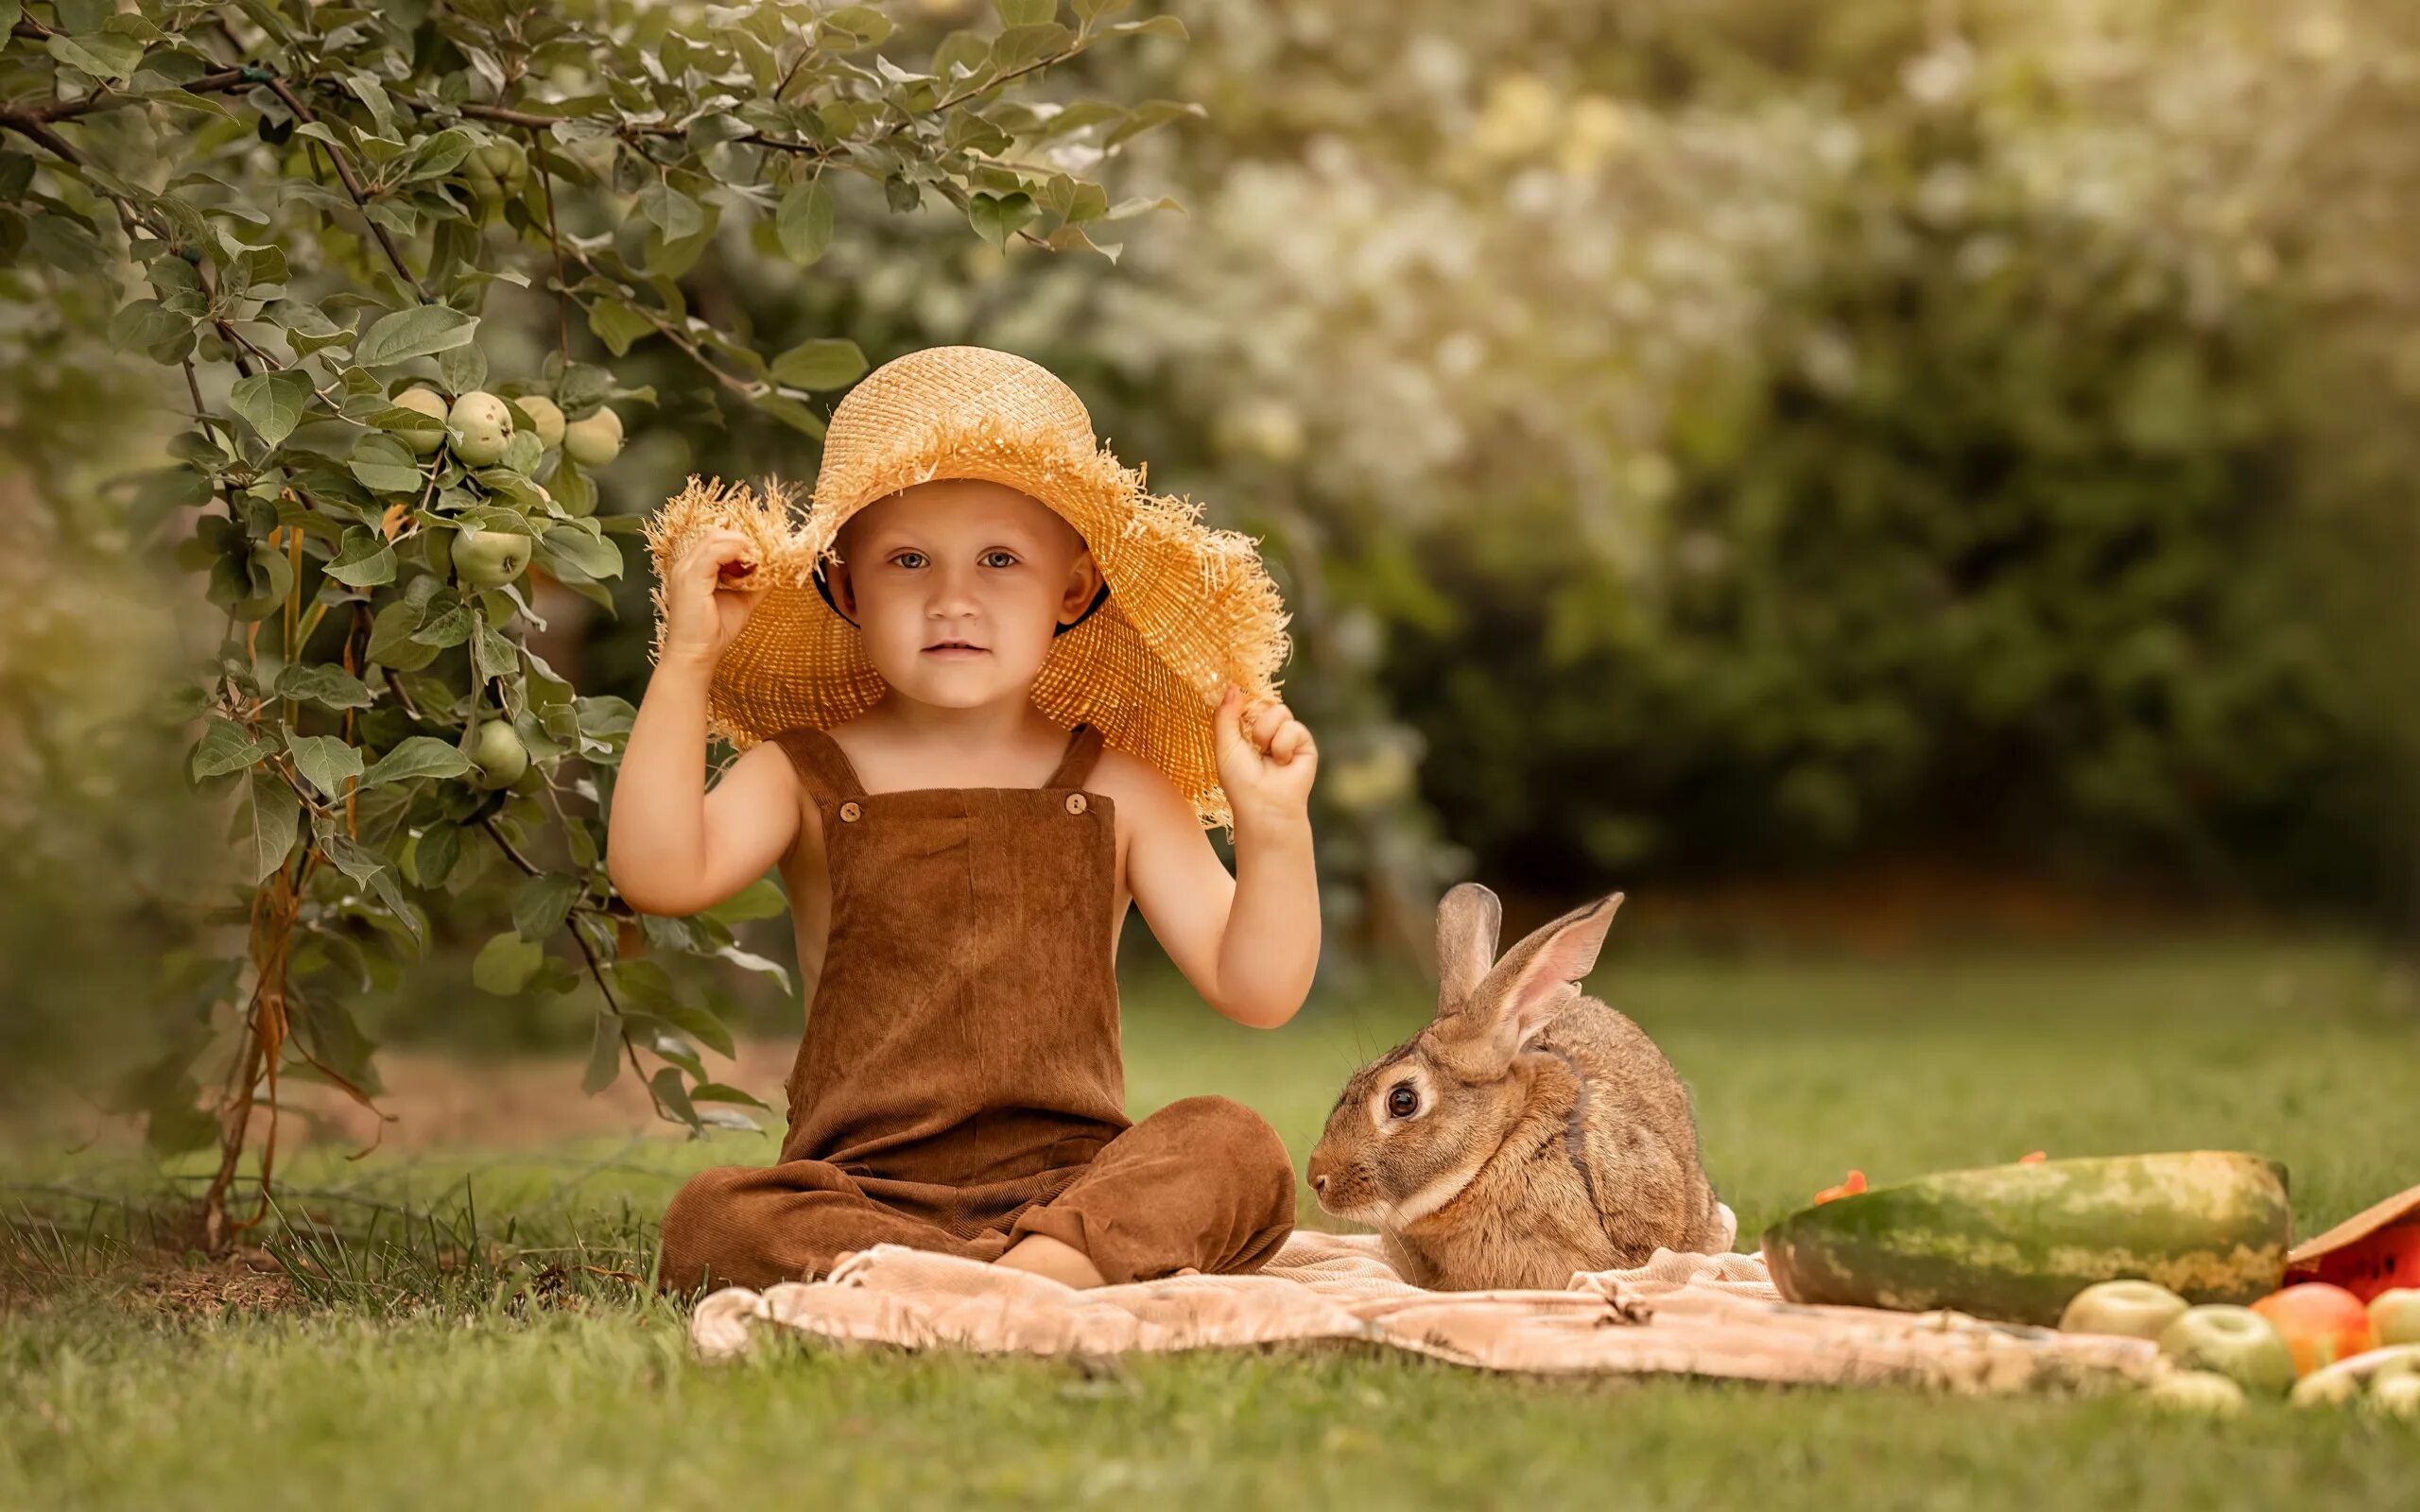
{"points": [[1701, 441]]}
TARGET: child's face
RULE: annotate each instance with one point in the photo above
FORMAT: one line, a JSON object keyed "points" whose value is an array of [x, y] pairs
{"points": [[958, 586]]}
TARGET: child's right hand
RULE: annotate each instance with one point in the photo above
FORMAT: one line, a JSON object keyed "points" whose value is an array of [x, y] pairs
{"points": [[704, 609]]}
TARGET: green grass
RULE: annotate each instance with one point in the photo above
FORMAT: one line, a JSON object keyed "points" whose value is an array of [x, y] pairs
{"points": [[414, 1376]]}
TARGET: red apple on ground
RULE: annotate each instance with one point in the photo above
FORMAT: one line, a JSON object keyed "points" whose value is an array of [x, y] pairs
{"points": [[2320, 1324]]}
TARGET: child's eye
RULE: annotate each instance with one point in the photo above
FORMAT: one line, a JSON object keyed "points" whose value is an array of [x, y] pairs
{"points": [[907, 558], [999, 558]]}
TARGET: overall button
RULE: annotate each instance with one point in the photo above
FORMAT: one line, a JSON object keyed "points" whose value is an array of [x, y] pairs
{"points": [[1075, 802], [850, 812]]}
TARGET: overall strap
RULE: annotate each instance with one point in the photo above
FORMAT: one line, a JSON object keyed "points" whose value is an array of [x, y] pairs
{"points": [[822, 764], [1084, 749]]}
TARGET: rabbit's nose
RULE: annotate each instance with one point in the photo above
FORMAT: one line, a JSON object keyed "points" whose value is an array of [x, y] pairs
{"points": [[1319, 1183]]}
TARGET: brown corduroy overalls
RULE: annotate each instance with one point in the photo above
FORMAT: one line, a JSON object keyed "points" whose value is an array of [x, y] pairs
{"points": [[959, 1084]]}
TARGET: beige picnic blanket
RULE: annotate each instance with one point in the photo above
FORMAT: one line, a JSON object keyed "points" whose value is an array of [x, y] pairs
{"points": [[1695, 1315]]}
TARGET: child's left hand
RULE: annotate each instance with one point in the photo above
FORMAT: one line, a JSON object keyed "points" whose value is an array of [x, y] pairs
{"points": [[1266, 757]]}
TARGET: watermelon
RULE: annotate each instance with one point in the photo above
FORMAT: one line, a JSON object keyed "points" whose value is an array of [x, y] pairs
{"points": [[2017, 1241]]}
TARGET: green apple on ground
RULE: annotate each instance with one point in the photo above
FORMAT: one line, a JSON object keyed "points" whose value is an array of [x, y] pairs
{"points": [[2345, 1381], [430, 403], [596, 440], [545, 417], [2395, 1397], [497, 753], [2234, 1341], [2203, 1393], [2394, 1315], [2138, 1309], [480, 424], [489, 558]]}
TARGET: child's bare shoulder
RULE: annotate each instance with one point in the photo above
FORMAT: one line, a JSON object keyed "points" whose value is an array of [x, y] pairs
{"points": [[1143, 796]]}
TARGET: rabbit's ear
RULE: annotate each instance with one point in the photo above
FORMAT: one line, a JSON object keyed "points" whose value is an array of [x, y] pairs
{"points": [[1539, 975], [1468, 921]]}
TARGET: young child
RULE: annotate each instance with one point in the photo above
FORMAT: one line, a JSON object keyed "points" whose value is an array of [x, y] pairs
{"points": [[988, 692]]}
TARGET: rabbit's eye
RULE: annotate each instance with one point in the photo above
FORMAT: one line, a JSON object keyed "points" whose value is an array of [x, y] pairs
{"points": [[1402, 1102]]}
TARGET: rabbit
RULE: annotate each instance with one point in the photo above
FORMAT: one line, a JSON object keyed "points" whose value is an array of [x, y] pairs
{"points": [[1529, 1131]]}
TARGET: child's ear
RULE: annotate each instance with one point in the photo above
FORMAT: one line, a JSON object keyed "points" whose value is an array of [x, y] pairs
{"points": [[844, 588], [1083, 584]]}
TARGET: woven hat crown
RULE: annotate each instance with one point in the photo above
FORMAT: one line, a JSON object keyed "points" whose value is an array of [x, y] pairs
{"points": [[911, 408]]}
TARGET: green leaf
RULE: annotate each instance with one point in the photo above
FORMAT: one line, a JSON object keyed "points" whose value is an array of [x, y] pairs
{"points": [[349, 855], [269, 819], [328, 687], [433, 852], [1024, 12], [996, 217], [462, 368], [326, 760], [226, 746], [617, 323], [760, 899], [702, 1024], [823, 363], [423, 331], [641, 984], [750, 961], [101, 53], [385, 465], [803, 222], [864, 23], [672, 1094], [673, 213], [586, 550], [145, 323], [1151, 113], [504, 964], [390, 637], [715, 1092], [450, 628], [366, 560], [543, 903], [324, 1025], [1156, 27], [417, 756], [273, 402], [1020, 46], [604, 1055]]}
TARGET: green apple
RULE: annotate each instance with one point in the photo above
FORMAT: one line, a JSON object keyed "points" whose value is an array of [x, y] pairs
{"points": [[430, 403], [545, 417], [2395, 1396], [2394, 1315], [2328, 1388], [594, 441], [2234, 1341], [2138, 1309], [2202, 1393], [498, 754], [480, 424], [489, 558], [495, 171]]}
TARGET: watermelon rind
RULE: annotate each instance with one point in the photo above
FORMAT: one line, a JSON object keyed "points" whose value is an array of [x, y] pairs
{"points": [[2015, 1243]]}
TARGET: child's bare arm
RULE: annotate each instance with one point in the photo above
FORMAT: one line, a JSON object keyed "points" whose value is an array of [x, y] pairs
{"points": [[671, 847], [1249, 943]]}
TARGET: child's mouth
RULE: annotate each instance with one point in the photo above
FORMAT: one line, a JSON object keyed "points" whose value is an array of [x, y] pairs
{"points": [[954, 649]]}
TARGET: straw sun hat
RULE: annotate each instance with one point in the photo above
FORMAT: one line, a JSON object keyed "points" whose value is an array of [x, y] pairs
{"points": [[1187, 608]]}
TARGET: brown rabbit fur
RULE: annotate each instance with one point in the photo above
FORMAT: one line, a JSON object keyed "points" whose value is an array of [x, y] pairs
{"points": [[1529, 1131]]}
